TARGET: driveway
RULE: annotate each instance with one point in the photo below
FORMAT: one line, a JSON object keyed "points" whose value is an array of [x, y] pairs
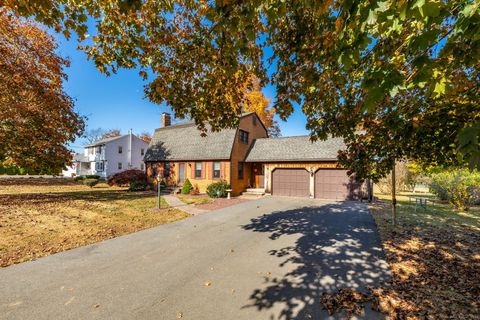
{"points": [[265, 259]]}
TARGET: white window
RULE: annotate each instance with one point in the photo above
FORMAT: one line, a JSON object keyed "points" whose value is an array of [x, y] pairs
{"points": [[142, 152], [120, 149], [119, 166], [142, 166]]}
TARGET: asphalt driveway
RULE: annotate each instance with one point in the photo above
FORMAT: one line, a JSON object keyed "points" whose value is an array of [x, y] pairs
{"points": [[265, 259]]}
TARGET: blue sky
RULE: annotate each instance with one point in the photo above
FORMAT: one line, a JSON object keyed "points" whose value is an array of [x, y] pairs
{"points": [[118, 101]]}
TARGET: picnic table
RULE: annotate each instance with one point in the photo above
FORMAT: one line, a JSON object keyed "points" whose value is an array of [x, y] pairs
{"points": [[422, 202]]}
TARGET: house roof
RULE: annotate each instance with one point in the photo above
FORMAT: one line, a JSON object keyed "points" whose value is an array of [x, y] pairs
{"points": [[184, 142], [298, 148], [105, 140]]}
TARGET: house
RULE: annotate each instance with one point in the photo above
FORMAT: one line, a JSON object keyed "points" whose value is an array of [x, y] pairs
{"points": [[108, 156], [248, 159]]}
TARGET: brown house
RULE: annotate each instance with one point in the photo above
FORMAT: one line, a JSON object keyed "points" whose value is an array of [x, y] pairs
{"points": [[248, 159]]}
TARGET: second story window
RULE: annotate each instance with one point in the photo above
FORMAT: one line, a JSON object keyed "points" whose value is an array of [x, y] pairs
{"points": [[99, 149], [120, 149], [244, 136], [216, 169], [142, 152], [91, 150], [198, 169]]}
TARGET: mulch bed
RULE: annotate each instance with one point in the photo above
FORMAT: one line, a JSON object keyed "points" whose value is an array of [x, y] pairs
{"points": [[220, 203]]}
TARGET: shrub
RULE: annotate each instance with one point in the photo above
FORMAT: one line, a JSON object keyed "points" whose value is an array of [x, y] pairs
{"points": [[195, 191], [90, 182], [459, 186], [78, 178], [138, 186], [187, 187], [218, 189], [92, 176], [125, 178]]}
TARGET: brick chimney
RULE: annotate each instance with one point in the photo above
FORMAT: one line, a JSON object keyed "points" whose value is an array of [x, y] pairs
{"points": [[166, 120]]}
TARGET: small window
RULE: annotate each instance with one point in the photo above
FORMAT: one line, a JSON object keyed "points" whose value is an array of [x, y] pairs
{"points": [[99, 166], [91, 150], [198, 169], [142, 152], [216, 169], [142, 166], [166, 169], [99, 149], [154, 169], [244, 136], [240, 170], [120, 149], [119, 166]]}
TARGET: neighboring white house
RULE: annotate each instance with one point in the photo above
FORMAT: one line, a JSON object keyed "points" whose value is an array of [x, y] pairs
{"points": [[108, 156]]}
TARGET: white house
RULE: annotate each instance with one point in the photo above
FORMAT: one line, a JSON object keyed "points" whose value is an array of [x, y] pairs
{"points": [[108, 156]]}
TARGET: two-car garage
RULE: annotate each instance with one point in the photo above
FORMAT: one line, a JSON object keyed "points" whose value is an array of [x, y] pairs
{"points": [[327, 184]]}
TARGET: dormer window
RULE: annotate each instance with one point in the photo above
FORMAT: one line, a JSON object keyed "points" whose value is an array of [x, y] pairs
{"points": [[244, 136]]}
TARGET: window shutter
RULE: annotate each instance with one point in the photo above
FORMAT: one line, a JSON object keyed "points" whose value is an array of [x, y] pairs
{"points": [[210, 173], [193, 171]]}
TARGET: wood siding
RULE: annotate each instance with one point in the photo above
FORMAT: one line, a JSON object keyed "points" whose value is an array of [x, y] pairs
{"points": [[239, 152], [202, 183]]}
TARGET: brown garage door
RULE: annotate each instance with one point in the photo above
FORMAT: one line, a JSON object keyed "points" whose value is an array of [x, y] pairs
{"points": [[291, 182], [335, 184]]}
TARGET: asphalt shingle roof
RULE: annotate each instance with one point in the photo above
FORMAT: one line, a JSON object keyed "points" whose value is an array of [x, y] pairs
{"points": [[298, 148], [184, 142]]}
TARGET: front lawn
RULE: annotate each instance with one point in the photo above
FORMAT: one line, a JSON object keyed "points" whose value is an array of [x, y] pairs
{"points": [[434, 256], [39, 217], [195, 200]]}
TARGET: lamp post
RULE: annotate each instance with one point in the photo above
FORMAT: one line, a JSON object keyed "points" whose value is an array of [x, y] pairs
{"points": [[159, 189]]}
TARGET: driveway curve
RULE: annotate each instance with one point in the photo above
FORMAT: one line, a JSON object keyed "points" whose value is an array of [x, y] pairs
{"points": [[270, 258]]}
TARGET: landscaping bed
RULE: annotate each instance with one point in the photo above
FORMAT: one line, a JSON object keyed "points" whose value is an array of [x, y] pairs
{"points": [[39, 217], [434, 256]]}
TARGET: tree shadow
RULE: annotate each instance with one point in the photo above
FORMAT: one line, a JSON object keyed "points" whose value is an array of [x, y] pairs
{"points": [[338, 247]]}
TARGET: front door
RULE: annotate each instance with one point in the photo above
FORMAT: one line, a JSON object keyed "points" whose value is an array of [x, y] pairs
{"points": [[181, 172], [258, 175]]}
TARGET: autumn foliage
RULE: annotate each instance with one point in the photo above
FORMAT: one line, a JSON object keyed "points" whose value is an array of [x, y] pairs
{"points": [[125, 178], [37, 117]]}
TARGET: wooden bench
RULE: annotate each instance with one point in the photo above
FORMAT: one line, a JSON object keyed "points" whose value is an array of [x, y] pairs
{"points": [[422, 202]]}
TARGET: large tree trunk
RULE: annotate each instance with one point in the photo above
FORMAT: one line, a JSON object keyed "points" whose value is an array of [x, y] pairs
{"points": [[394, 198]]}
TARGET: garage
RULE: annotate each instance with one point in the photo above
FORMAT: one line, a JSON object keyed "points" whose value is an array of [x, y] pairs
{"points": [[336, 184], [291, 182]]}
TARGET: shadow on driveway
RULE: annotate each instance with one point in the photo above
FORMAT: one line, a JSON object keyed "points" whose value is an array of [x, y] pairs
{"points": [[337, 247]]}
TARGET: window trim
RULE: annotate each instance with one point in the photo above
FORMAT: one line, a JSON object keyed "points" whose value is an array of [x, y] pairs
{"points": [[218, 171], [240, 173], [243, 135], [198, 172]]}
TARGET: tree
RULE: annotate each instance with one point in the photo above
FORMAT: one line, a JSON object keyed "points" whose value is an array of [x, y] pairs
{"points": [[37, 117], [255, 101], [407, 71], [145, 136], [94, 135]]}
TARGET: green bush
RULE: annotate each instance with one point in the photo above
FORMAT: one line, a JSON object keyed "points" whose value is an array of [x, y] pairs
{"points": [[78, 178], [2, 170], [138, 186], [218, 189], [92, 176], [187, 187], [460, 187], [90, 182]]}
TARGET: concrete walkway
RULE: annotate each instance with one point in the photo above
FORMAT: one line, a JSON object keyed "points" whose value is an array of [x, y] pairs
{"points": [[180, 205], [271, 258]]}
